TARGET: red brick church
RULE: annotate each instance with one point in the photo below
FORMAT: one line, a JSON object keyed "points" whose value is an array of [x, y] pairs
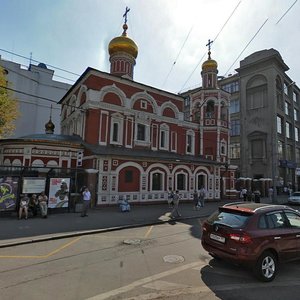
{"points": [[137, 141]]}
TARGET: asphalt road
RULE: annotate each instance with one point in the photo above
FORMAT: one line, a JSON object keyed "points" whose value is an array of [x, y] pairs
{"points": [[163, 261]]}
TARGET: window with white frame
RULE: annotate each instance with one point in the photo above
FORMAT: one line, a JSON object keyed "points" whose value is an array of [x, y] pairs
{"points": [[181, 181], [116, 130], [190, 142], [223, 148], [142, 133], [143, 104], [157, 181], [164, 137]]}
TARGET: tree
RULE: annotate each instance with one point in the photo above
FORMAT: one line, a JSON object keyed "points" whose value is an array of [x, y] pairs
{"points": [[9, 109]]}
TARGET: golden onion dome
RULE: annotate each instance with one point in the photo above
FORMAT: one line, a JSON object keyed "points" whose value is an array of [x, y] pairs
{"points": [[49, 127], [209, 64], [123, 44]]}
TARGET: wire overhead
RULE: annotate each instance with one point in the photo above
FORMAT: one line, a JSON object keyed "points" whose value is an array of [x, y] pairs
{"points": [[247, 45], [177, 56], [213, 40], [286, 12]]}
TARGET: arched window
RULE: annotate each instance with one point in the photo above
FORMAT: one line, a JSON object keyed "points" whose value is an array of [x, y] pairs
{"points": [[210, 108], [157, 181], [181, 181]]}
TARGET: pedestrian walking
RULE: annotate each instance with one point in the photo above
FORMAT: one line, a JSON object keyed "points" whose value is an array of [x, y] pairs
{"points": [[196, 200], [170, 198], [24, 206], [175, 205], [86, 196], [43, 203], [202, 195]]}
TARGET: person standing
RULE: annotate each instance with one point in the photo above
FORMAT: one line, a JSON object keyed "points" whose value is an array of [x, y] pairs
{"points": [[86, 196], [43, 202], [202, 195], [257, 196], [244, 194], [271, 191], [24, 206], [175, 205]]}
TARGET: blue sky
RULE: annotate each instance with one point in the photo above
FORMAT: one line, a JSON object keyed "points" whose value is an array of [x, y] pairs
{"points": [[74, 35]]}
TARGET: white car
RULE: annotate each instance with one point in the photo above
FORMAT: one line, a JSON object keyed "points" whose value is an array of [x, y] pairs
{"points": [[294, 198]]}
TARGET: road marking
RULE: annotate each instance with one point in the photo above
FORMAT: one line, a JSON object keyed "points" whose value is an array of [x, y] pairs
{"points": [[42, 256], [148, 232], [144, 281], [162, 285]]}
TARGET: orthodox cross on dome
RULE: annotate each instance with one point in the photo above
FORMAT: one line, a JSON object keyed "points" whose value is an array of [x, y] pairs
{"points": [[50, 111], [209, 47], [125, 14]]}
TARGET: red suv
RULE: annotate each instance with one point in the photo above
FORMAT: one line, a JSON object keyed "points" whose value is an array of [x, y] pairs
{"points": [[253, 234]]}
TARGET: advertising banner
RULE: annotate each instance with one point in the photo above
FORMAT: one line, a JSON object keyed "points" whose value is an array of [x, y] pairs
{"points": [[8, 193], [59, 192]]}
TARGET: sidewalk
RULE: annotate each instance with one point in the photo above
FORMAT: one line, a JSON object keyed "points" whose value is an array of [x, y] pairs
{"points": [[59, 225]]}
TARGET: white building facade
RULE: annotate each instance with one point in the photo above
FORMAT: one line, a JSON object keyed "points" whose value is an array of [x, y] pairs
{"points": [[35, 91]]}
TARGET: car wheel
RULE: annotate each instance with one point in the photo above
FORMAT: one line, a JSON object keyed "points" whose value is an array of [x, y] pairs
{"points": [[266, 267]]}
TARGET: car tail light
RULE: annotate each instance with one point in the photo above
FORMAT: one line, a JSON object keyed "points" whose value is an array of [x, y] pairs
{"points": [[241, 238]]}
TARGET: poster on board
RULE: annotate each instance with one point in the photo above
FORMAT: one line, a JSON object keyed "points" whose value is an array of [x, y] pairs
{"points": [[33, 185], [8, 192], [59, 190]]}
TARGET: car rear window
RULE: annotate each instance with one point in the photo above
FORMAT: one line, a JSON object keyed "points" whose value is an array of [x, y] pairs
{"points": [[233, 219]]}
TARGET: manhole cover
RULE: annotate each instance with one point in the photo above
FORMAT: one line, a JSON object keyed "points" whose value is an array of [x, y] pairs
{"points": [[173, 259], [132, 242]]}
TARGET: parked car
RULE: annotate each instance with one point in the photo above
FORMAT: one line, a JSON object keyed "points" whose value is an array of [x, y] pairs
{"points": [[294, 198], [253, 234]]}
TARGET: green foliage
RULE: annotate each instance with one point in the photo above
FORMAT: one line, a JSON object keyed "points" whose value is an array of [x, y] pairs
{"points": [[9, 110]]}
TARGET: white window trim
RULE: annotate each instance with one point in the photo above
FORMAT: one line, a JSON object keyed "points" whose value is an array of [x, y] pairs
{"points": [[162, 179], [117, 119], [146, 142], [143, 104], [176, 181], [192, 135], [164, 128]]}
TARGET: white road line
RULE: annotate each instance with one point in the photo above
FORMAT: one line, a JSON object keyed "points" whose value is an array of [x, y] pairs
{"points": [[144, 281], [162, 285]]}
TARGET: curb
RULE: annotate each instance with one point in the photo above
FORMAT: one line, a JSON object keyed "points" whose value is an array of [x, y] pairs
{"points": [[93, 231]]}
